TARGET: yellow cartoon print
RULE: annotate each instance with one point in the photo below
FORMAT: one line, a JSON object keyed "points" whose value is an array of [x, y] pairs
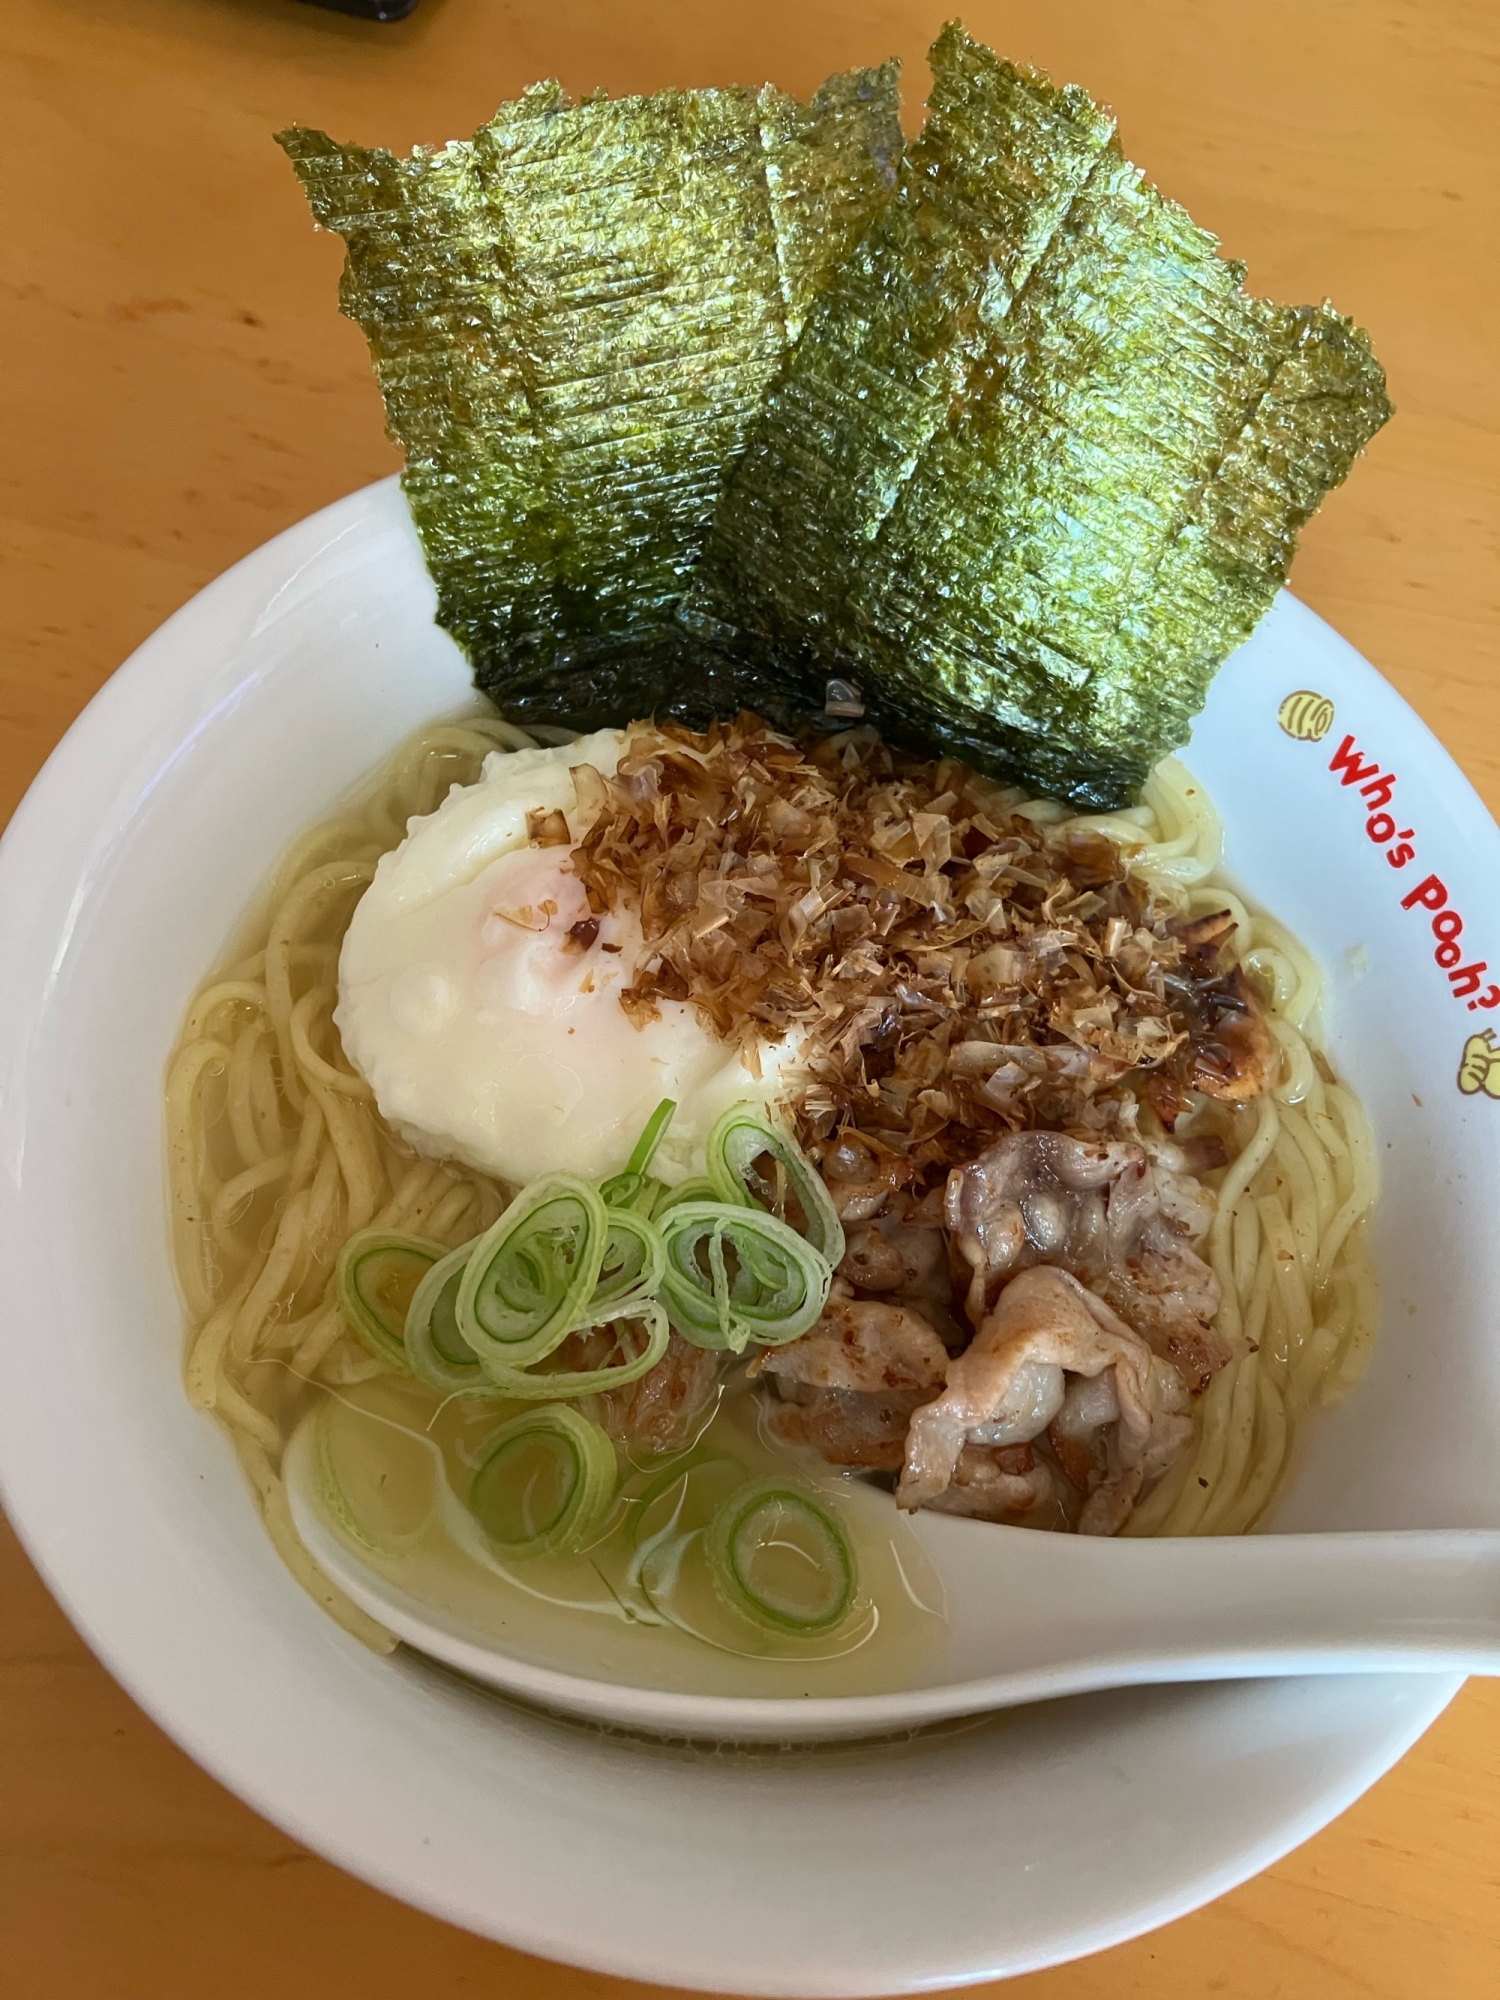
{"points": [[1306, 716], [1480, 1066]]}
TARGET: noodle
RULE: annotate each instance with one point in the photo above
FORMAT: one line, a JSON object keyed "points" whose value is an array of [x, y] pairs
{"points": [[1289, 1244], [277, 1154]]}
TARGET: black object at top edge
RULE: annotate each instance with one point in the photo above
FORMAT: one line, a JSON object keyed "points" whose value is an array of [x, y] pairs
{"points": [[366, 10]]}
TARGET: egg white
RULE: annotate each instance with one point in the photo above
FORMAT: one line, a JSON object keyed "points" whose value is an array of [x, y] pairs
{"points": [[486, 1031]]}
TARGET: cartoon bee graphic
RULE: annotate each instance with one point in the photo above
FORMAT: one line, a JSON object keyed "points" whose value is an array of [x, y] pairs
{"points": [[1479, 1067], [1305, 716]]}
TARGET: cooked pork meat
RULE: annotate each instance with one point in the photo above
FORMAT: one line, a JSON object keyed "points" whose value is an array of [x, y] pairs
{"points": [[986, 997], [862, 1175], [861, 1344], [998, 1484], [907, 1261], [1045, 1320], [844, 1426], [891, 1255], [661, 1411], [1106, 1212], [1233, 1051], [849, 1387]]}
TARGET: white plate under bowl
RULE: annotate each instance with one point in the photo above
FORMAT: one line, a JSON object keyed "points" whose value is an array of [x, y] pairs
{"points": [[980, 1850]]}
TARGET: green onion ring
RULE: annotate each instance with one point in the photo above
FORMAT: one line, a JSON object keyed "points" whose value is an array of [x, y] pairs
{"points": [[526, 1385], [700, 1463], [700, 1189], [330, 1487], [770, 1516], [531, 1277], [335, 1501], [775, 1293], [377, 1274], [635, 1260], [584, 1471], [633, 1188], [435, 1347], [633, 1191], [734, 1145]]}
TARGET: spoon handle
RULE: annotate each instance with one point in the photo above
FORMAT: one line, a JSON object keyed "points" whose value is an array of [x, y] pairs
{"points": [[1066, 1613]]}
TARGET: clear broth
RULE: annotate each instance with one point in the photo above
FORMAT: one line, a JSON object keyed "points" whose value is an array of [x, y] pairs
{"points": [[395, 1462]]}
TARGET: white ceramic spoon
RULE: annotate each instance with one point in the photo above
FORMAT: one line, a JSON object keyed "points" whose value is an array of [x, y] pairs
{"points": [[1035, 1616]]}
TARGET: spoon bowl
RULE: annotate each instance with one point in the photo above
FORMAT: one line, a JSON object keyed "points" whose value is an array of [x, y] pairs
{"points": [[1031, 1617]]}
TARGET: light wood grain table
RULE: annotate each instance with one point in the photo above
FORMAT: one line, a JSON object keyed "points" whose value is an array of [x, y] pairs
{"points": [[177, 386]]}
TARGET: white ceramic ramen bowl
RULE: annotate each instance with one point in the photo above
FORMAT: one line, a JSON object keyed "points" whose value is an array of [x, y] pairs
{"points": [[121, 878]]}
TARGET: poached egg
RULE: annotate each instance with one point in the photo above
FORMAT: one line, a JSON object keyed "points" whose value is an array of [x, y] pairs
{"points": [[479, 996]]}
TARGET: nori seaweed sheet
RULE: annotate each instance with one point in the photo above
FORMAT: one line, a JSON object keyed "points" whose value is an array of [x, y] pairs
{"points": [[1038, 463], [1035, 465], [574, 317]]}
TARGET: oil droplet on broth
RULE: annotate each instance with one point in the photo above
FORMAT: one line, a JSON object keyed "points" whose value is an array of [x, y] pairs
{"points": [[389, 1449]]}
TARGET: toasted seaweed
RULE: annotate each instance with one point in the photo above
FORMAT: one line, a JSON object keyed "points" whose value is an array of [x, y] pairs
{"points": [[574, 316], [698, 416], [1038, 462]]}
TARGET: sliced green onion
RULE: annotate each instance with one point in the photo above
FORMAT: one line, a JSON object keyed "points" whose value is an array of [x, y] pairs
{"points": [[634, 1188], [393, 1502], [377, 1276], [700, 1189], [545, 1485], [649, 1200], [693, 1488], [635, 1259], [531, 1278], [336, 1502], [737, 1142], [666, 1518], [634, 1191], [652, 1134], [526, 1385], [435, 1346], [736, 1275], [781, 1558]]}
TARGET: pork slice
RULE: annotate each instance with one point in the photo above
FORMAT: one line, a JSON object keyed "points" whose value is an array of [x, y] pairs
{"points": [[1047, 1328], [844, 1426], [847, 1389], [988, 1485], [861, 1344], [661, 1411], [1123, 1223]]}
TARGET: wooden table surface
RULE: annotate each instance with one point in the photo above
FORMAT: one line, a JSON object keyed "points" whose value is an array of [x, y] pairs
{"points": [[177, 386]]}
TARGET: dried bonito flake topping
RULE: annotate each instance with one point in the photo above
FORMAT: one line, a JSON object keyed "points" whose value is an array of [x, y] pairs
{"points": [[956, 966]]}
